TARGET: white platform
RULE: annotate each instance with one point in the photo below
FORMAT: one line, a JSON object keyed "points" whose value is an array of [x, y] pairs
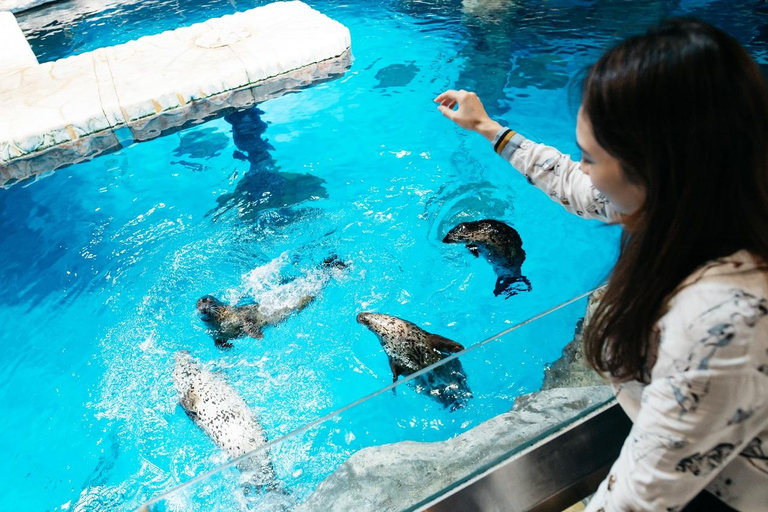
{"points": [[21, 5], [62, 112], [15, 53]]}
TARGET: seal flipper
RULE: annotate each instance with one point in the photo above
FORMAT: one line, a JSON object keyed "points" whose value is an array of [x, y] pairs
{"points": [[252, 330], [511, 286], [474, 250], [222, 343], [190, 414], [188, 403], [333, 261], [395, 373], [444, 344]]}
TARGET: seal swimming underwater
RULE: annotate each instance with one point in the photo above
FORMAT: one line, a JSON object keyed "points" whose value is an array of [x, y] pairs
{"points": [[502, 247], [411, 348], [222, 414], [229, 322], [226, 322]]}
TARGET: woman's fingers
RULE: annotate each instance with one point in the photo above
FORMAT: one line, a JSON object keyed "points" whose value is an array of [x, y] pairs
{"points": [[450, 99], [447, 111], [470, 113], [451, 95]]}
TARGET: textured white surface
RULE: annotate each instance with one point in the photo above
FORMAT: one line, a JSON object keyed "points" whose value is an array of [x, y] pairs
{"points": [[21, 5], [15, 52], [160, 82]]}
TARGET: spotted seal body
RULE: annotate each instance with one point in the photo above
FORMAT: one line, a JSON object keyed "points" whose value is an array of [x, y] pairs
{"points": [[410, 349], [222, 414], [502, 247]]}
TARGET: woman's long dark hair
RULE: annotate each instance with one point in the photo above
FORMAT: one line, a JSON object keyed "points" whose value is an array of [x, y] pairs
{"points": [[685, 111]]}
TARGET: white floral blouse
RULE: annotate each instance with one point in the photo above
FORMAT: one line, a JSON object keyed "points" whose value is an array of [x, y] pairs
{"points": [[701, 419]]}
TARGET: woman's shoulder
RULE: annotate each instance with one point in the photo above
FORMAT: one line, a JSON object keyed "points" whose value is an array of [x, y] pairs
{"points": [[740, 278], [739, 266], [725, 300]]}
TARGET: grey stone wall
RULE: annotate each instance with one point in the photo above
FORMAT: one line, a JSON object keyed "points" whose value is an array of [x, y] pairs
{"points": [[397, 476]]}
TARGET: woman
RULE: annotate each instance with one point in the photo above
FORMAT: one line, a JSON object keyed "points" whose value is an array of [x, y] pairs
{"points": [[674, 135]]}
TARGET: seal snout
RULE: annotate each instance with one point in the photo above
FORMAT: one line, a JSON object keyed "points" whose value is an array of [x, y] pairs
{"points": [[207, 305], [454, 235], [364, 318]]}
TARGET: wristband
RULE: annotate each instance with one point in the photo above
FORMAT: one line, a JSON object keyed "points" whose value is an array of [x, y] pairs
{"points": [[503, 140]]}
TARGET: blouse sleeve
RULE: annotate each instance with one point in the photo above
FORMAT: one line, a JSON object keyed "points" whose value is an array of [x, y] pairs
{"points": [[556, 174], [707, 400]]}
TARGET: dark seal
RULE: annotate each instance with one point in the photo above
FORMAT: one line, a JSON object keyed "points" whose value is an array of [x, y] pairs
{"points": [[230, 322], [501, 245], [226, 322], [411, 348]]}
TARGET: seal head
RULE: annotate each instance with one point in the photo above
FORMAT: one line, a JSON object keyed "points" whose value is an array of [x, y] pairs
{"points": [[208, 308], [502, 247]]}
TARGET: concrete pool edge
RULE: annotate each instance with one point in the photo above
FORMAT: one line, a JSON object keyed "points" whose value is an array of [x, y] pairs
{"points": [[97, 101], [17, 54], [17, 6]]}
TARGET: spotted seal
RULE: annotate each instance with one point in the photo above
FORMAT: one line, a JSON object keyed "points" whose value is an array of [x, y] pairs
{"points": [[222, 413], [410, 349], [502, 247]]}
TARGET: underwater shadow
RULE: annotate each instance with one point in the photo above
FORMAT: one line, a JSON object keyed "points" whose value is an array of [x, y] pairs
{"points": [[264, 191]]}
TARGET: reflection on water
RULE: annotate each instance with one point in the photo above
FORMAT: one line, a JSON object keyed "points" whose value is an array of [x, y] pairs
{"points": [[68, 27], [264, 187], [396, 75], [508, 44], [514, 44], [201, 143], [34, 268]]}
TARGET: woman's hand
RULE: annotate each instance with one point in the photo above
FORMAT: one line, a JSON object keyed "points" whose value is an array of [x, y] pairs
{"points": [[470, 115]]}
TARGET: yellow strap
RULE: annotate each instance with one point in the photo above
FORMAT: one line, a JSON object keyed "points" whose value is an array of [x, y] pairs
{"points": [[503, 142]]}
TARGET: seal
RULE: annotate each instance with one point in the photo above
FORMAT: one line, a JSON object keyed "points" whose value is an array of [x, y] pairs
{"points": [[411, 348], [222, 413], [502, 247], [229, 322], [226, 322]]}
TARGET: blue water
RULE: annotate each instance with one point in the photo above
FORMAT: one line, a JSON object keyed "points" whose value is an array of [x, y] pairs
{"points": [[104, 260]]}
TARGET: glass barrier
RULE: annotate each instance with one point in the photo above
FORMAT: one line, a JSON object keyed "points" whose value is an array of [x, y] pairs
{"points": [[416, 439]]}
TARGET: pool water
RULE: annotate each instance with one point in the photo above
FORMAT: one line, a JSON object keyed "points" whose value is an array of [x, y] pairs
{"points": [[104, 260]]}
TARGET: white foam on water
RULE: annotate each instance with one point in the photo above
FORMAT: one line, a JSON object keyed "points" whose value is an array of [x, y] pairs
{"points": [[260, 280], [265, 285]]}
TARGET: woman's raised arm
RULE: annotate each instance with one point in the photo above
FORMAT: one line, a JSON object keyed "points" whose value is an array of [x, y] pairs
{"points": [[545, 167]]}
